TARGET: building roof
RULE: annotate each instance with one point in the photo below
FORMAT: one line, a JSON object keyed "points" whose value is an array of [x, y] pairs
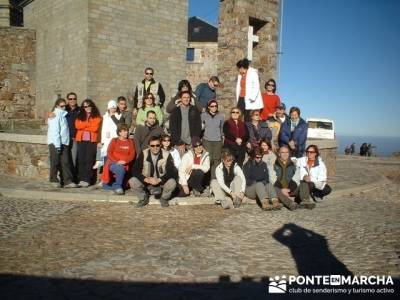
{"points": [[201, 31]]}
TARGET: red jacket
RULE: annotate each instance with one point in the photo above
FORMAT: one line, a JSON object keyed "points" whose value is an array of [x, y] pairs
{"points": [[233, 131], [270, 104], [92, 125], [118, 150]]}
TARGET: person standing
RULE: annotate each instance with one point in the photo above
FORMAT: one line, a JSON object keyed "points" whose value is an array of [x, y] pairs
{"points": [[88, 126], [213, 122], [148, 85], [143, 133], [149, 105], [248, 95], [58, 140], [207, 91], [274, 124], [122, 108], [270, 99], [236, 135], [258, 130], [293, 133], [185, 122], [73, 110]]}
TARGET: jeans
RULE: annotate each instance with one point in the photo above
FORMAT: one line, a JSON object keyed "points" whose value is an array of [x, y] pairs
{"points": [[119, 172]]}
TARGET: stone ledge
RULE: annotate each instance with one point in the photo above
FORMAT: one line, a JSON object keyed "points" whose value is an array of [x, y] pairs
{"points": [[23, 138]]}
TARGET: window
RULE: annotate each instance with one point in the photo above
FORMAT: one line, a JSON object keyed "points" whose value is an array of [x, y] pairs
{"points": [[189, 54]]}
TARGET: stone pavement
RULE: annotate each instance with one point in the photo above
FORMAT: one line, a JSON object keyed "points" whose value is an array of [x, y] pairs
{"points": [[51, 249]]}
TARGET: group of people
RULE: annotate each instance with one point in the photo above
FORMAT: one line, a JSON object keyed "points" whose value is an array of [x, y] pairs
{"points": [[366, 149], [187, 147]]}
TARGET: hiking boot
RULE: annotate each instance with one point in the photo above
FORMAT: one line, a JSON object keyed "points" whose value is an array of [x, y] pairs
{"points": [[206, 192], [143, 202], [265, 205], [226, 203], [56, 184], [196, 193], [83, 184], [163, 202], [71, 185], [276, 205], [119, 191], [307, 204], [289, 204], [237, 202]]}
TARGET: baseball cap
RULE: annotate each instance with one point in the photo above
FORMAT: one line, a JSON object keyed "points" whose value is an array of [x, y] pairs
{"points": [[111, 104], [281, 106]]}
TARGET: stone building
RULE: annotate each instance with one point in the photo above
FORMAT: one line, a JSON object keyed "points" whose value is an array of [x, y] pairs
{"points": [[247, 28], [99, 48], [201, 53]]}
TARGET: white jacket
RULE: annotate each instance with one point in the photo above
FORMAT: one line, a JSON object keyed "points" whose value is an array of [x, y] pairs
{"points": [[317, 173], [237, 171], [253, 99], [108, 132], [187, 160]]}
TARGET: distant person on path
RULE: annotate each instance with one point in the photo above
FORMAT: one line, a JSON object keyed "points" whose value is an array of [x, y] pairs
{"points": [[206, 91], [149, 105], [185, 122], [364, 149], [313, 178], [229, 186], [353, 148], [58, 140], [270, 99], [143, 133], [258, 186], [213, 122], [293, 133], [148, 85], [193, 169], [88, 126], [236, 135], [248, 94], [347, 150], [120, 154], [153, 173]]}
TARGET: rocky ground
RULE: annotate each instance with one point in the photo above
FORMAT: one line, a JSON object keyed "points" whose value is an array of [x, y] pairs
{"points": [[52, 249]]}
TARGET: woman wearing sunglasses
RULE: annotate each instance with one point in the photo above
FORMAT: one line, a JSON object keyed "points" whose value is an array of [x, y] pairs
{"points": [[149, 105], [236, 135], [313, 177], [271, 100]]}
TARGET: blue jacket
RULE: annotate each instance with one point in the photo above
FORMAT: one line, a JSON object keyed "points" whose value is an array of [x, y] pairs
{"points": [[299, 135], [256, 135], [58, 130]]}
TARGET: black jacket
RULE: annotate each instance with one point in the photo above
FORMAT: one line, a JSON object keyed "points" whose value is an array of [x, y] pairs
{"points": [[176, 120], [255, 172]]}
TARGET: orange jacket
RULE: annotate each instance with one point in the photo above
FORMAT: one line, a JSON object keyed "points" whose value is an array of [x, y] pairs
{"points": [[92, 125]]}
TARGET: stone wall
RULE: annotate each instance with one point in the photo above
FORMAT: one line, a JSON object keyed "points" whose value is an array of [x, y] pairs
{"points": [[4, 13], [234, 20], [17, 74], [24, 155], [204, 65], [99, 48]]}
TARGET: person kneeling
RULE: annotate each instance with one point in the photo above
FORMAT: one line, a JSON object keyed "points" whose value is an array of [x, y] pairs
{"points": [[313, 177], [257, 181], [230, 184], [153, 173], [120, 154], [195, 164]]}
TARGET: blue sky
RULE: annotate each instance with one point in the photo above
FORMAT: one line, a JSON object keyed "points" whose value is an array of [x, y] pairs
{"points": [[341, 60]]}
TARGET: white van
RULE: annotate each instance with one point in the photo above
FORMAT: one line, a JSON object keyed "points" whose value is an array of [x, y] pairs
{"points": [[320, 129]]}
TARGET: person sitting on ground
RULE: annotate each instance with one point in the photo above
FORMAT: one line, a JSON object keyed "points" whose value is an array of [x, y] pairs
{"points": [[153, 173], [258, 186], [143, 133], [185, 122], [229, 186], [206, 91], [285, 174], [258, 130], [293, 133], [124, 111], [120, 155], [149, 105], [192, 170], [236, 135], [166, 144], [313, 177], [58, 139], [269, 158]]}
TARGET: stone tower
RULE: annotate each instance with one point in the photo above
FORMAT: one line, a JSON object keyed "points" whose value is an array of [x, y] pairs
{"points": [[100, 48], [247, 29]]}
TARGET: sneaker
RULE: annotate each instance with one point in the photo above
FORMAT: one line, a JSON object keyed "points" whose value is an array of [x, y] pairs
{"points": [[119, 191], [71, 185], [163, 202], [143, 202], [83, 184], [56, 185], [97, 165], [237, 202]]}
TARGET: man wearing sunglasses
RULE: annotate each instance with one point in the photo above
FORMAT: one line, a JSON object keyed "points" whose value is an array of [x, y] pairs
{"points": [[154, 173], [148, 85]]}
